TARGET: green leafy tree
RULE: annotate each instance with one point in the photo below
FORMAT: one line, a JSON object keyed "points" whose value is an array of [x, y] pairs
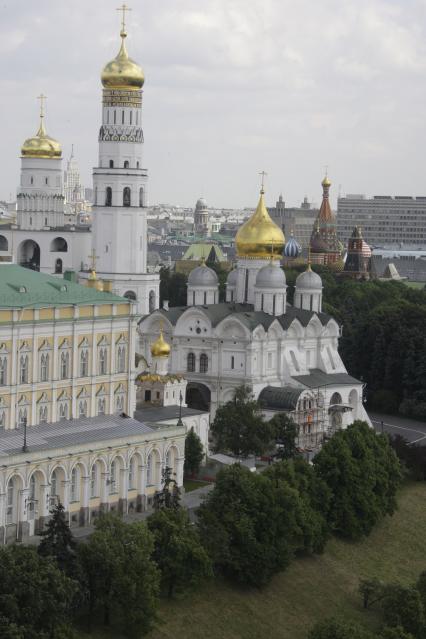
{"points": [[178, 552], [403, 607], [395, 633], [336, 629], [252, 525], [57, 540], [36, 597], [119, 575], [194, 453], [169, 495], [239, 426], [172, 287], [421, 587], [371, 591], [363, 474], [285, 432]]}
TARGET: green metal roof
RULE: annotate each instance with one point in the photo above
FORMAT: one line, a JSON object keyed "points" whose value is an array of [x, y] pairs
{"points": [[21, 287], [199, 251], [277, 398]]}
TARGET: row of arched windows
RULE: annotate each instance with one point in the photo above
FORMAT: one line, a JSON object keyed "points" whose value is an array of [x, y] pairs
{"points": [[127, 196], [192, 362], [126, 164]]}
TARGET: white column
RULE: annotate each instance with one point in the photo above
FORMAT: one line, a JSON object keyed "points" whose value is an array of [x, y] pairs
{"points": [[179, 470]]}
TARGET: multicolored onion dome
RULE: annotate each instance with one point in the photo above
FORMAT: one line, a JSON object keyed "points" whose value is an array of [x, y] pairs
{"points": [[292, 248]]}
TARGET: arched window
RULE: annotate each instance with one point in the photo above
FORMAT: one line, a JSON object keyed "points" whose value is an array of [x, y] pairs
{"points": [[63, 410], [204, 363], [115, 116], [131, 295], [126, 164], [94, 480], [108, 196], [22, 417], [149, 470], [113, 478], [141, 194], [32, 497], [4, 244], [111, 164], [23, 371], [101, 406], [190, 367], [82, 408], [10, 504], [43, 414], [119, 403], [121, 359], [58, 265], [102, 361], [31, 180], [131, 117], [122, 117], [232, 361], [44, 367], [3, 371], [65, 361], [84, 362], [137, 164], [205, 298], [54, 485], [126, 196], [73, 489]]}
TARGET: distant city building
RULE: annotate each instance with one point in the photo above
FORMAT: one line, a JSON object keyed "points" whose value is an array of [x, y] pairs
{"points": [[298, 221], [358, 259], [385, 220], [201, 218], [72, 183], [409, 262]]}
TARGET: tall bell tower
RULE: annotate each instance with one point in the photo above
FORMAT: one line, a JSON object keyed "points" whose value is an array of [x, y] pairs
{"points": [[119, 181]]}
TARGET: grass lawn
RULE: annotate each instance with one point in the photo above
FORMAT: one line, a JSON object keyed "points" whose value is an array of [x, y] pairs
{"points": [[414, 284], [193, 484], [311, 588]]}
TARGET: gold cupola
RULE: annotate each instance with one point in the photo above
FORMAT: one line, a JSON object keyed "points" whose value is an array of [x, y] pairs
{"points": [[260, 237], [123, 73], [160, 348], [41, 145]]}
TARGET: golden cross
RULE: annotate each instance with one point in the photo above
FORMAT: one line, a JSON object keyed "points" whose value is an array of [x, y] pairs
{"points": [[263, 174], [42, 98], [123, 8], [326, 170], [93, 257]]}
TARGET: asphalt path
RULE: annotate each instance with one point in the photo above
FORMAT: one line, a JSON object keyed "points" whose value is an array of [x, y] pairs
{"points": [[412, 430]]}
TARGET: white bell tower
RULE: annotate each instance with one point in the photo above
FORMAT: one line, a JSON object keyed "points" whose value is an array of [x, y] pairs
{"points": [[119, 181]]}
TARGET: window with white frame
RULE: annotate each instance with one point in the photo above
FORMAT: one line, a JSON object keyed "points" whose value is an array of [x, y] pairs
{"points": [[43, 414], [82, 408], [44, 367], [119, 402], [84, 362], [102, 365], [65, 364], [23, 369], [94, 481], [101, 406], [63, 410], [121, 359], [74, 482], [3, 371], [22, 417], [113, 478]]}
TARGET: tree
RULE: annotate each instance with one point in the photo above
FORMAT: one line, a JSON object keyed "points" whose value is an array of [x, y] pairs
{"points": [[57, 540], [421, 587], [336, 629], [239, 426], [178, 552], [194, 453], [371, 591], [169, 495], [363, 474], [285, 432], [172, 287], [251, 525], [395, 633], [35, 596], [120, 576], [403, 607]]}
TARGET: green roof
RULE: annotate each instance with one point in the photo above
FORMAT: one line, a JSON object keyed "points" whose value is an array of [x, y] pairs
{"points": [[21, 287], [199, 251]]}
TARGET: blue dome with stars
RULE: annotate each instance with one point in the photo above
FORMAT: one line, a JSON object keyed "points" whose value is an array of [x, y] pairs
{"points": [[292, 248]]}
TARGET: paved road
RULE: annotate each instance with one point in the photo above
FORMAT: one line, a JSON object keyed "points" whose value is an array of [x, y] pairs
{"points": [[412, 430]]}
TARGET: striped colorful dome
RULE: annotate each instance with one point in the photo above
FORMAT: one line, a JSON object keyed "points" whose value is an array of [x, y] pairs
{"points": [[292, 248]]}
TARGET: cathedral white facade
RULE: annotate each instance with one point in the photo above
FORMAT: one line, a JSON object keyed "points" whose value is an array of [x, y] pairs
{"points": [[287, 354]]}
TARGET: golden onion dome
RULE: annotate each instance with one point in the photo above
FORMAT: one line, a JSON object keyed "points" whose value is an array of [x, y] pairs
{"points": [[326, 181], [123, 72], [160, 348], [41, 145], [260, 237]]}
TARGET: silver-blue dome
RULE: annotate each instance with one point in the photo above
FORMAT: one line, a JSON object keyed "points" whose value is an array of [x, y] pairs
{"points": [[232, 278], [308, 279], [292, 248], [202, 276], [271, 276]]}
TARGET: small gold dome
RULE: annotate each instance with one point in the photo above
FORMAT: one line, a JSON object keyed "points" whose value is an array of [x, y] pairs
{"points": [[41, 145], [160, 348], [123, 72], [326, 181], [260, 237]]}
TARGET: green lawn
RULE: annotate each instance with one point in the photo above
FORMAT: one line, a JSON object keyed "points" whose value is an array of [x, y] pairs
{"points": [[310, 589], [193, 484], [420, 285]]}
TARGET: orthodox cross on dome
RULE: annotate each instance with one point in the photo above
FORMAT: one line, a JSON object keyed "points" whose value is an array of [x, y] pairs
{"points": [[262, 185], [93, 257], [42, 98], [123, 9], [326, 170]]}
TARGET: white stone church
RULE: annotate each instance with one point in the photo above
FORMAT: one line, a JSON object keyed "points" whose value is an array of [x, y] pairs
{"points": [[288, 354]]}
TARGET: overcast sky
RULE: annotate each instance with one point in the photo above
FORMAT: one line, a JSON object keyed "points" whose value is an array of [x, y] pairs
{"points": [[232, 87]]}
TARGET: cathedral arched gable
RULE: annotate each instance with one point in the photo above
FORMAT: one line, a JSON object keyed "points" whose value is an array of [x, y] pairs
{"points": [[314, 327], [259, 333], [332, 329], [154, 322], [192, 319], [295, 330], [275, 331], [79, 462], [232, 327]]}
